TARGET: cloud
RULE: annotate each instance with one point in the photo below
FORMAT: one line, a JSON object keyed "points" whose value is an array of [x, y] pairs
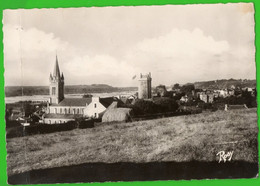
{"points": [[27, 52], [100, 69], [182, 54], [116, 43]]}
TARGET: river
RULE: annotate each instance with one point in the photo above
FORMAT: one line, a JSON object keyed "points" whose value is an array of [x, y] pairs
{"points": [[46, 97]]}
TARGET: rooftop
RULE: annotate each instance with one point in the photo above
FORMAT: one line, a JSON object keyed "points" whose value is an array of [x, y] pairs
{"points": [[77, 102]]}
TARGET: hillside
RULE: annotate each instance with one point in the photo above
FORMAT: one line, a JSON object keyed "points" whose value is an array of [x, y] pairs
{"points": [[224, 84], [69, 89], [176, 139]]}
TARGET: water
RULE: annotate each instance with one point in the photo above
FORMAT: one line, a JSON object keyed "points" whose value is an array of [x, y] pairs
{"points": [[44, 98]]}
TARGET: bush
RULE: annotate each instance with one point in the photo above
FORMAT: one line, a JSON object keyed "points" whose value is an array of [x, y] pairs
{"points": [[12, 123], [89, 123], [142, 107], [47, 128], [166, 104]]}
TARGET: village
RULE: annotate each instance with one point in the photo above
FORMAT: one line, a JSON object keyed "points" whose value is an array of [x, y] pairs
{"points": [[148, 103]]}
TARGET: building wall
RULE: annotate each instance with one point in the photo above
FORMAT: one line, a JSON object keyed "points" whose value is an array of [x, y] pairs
{"points": [[145, 87], [207, 98], [66, 110], [59, 91], [94, 109], [55, 121]]}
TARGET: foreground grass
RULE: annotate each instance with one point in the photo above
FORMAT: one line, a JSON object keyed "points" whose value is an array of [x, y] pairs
{"points": [[184, 138]]}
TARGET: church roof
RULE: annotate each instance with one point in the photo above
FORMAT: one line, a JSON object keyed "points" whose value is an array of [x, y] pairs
{"points": [[56, 71], [80, 102]]}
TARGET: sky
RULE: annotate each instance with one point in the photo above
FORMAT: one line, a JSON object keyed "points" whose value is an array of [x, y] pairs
{"points": [[110, 45]]}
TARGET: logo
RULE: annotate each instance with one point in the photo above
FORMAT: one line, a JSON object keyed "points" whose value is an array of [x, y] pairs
{"points": [[225, 156]]}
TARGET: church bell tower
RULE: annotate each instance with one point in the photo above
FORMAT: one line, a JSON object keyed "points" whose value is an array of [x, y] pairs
{"points": [[56, 85]]}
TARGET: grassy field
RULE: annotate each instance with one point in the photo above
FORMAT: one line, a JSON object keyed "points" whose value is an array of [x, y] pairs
{"points": [[180, 139]]}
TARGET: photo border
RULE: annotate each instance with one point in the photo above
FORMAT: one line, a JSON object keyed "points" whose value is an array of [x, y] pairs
{"points": [[30, 4]]}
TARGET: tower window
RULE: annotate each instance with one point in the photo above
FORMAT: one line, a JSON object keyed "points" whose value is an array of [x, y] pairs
{"points": [[95, 105]]}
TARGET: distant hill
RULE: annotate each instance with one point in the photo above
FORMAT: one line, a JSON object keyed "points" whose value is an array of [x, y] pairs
{"points": [[225, 83], [69, 89]]}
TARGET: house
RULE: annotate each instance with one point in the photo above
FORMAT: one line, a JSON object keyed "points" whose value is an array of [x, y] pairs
{"points": [[184, 99], [223, 93], [129, 99], [207, 96], [61, 109]]}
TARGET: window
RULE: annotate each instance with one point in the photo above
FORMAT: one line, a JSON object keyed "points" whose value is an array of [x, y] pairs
{"points": [[95, 105], [53, 90], [78, 111], [68, 111], [65, 111], [55, 110], [95, 115]]}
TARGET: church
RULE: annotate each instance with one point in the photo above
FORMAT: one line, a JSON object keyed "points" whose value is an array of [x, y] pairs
{"points": [[61, 109]]}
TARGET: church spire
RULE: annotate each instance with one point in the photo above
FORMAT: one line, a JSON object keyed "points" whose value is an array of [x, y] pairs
{"points": [[56, 71]]}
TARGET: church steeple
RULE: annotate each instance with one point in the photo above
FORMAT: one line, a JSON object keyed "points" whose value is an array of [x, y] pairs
{"points": [[56, 70], [56, 84]]}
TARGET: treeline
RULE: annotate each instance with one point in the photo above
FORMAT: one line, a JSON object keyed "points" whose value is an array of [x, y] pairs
{"points": [[69, 89], [157, 105], [225, 83]]}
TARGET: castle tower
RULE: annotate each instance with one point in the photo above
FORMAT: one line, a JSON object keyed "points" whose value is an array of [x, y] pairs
{"points": [[56, 84], [145, 86]]}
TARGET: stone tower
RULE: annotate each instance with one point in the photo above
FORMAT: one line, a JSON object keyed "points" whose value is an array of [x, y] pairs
{"points": [[145, 86], [56, 84]]}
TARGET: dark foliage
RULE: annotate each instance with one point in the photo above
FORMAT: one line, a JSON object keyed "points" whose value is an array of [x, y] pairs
{"points": [[21, 131], [166, 104], [161, 90], [244, 98], [142, 107], [188, 88]]}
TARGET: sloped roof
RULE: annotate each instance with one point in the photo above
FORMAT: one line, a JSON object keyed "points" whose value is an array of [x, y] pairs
{"points": [[80, 102], [107, 101]]}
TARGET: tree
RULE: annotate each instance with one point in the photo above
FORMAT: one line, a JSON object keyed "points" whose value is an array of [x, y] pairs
{"points": [[176, 86], [166, 104], [161, 90], [144, 107], [187, 88]]}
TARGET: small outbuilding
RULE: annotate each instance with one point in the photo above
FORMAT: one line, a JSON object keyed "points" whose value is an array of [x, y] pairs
{"points": [[117, 114]]}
